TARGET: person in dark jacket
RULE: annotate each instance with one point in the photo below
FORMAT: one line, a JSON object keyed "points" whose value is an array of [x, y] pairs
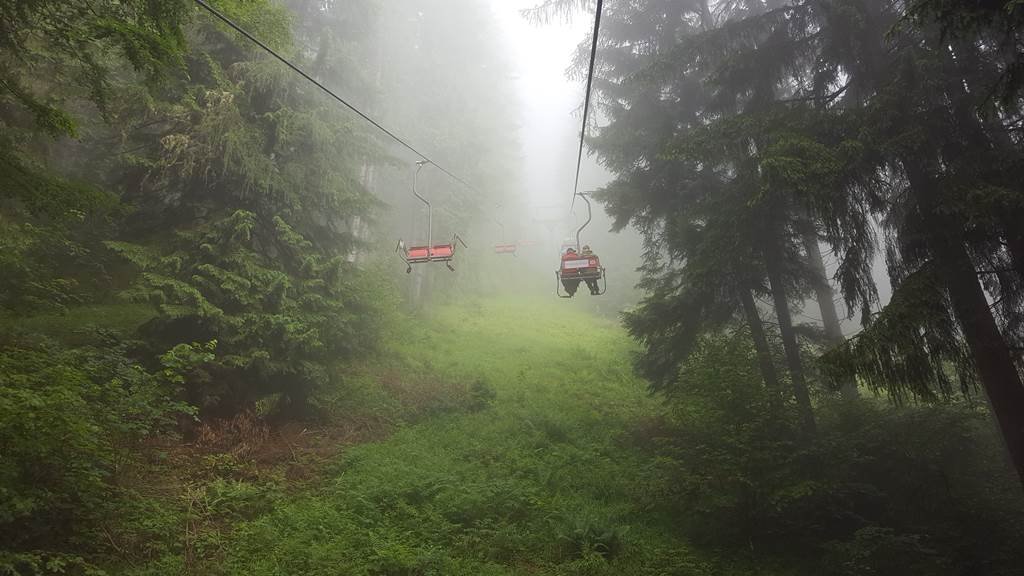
{"points": [[570, 284], [586, 252]]}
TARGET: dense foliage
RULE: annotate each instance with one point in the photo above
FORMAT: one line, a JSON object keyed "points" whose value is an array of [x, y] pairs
{"points": [[881, 490], [70, 420], [189, 295], [152, 156], [743, 135]]}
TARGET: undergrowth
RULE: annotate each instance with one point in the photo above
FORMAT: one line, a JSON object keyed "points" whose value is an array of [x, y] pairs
{"points": [[510, 437], [510, 454]]}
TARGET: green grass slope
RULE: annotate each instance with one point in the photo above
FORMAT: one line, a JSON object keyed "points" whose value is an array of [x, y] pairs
{"points": [[544, 478]]}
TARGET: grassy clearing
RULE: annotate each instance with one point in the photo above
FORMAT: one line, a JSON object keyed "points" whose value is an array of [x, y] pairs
{"points": [[538, 478]]}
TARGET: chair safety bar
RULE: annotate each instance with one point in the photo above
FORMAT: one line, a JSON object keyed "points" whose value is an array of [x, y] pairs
{"points": [[581, 275]]}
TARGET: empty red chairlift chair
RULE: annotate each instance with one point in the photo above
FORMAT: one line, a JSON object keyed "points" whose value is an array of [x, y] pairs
{"points": [[429, 252], [503, 247]]}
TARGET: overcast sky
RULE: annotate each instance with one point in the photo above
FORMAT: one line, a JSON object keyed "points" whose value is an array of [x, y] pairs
{"points": [[550, 118]]}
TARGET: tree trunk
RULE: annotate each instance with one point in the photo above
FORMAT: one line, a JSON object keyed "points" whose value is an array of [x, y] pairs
{"points": [[992, 359], [773, 262], [1015, 247], [825, 296], [764, 352], [986, 134]]}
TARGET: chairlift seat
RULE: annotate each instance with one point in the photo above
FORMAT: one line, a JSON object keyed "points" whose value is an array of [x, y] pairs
{"points": [[424, 254], [417, 254], [421, 254], [442, 252]]}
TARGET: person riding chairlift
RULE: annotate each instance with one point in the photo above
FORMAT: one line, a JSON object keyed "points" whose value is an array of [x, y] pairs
{"points": [[586, 252], [572, 284]]}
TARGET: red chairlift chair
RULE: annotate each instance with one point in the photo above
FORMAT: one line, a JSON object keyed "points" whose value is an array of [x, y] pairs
{"points": [[576, 268], [429, 252], [425, 254], [504, 248]]}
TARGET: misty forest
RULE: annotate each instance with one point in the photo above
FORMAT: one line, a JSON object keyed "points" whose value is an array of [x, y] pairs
{"points": [[495, 287]]}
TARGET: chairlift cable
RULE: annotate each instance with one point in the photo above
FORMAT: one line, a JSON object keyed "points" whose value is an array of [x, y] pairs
{"points": [[220, 16], [586, 99]]}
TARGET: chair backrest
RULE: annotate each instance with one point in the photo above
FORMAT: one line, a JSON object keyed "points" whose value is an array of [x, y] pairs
{"points": [[442, 251], [417, 253], [580, 263]]}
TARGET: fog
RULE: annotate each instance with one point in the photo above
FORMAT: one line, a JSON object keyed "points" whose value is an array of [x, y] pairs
{"points": [[297, 287], [550, 103], [481, 72], [487, 95]]}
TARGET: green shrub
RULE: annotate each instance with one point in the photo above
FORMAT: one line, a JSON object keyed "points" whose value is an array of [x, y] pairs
{"points": [[927, 483], [70, 419], [281, 316], [39, 563], [882, 551], [586, 535]]}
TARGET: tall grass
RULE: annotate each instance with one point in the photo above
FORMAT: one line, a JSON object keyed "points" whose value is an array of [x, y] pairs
{"points": [[539, 479]]}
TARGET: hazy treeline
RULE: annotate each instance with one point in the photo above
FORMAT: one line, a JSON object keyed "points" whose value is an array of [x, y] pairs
{"points": [[190, 230]]}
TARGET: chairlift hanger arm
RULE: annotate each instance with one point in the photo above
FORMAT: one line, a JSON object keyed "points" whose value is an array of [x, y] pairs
{"points": [[589, 217], [586, 98], [430, 219]]}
